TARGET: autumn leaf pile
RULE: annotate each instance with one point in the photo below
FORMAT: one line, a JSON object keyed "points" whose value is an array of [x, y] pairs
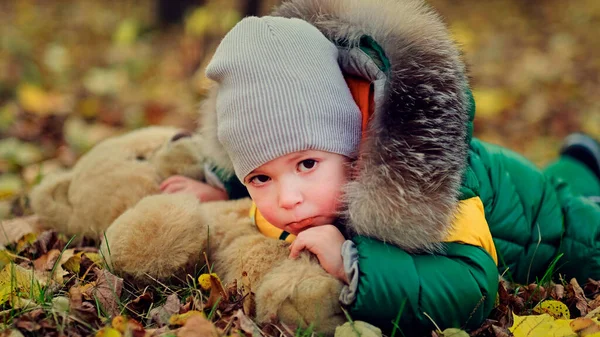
{"points": [[75, 72], [51, 286]]}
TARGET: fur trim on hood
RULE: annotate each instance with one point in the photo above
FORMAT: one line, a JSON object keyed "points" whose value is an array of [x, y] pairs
{"points": [[413, 157]]}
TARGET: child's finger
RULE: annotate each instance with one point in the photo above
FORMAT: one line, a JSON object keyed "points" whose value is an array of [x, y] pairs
{"points": [[173, 188], [296, 248], [170, 180]]}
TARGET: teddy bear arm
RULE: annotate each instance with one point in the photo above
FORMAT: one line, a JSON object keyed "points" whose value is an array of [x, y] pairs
{"points": [[300, 292], [159, 237], [50, 200]]}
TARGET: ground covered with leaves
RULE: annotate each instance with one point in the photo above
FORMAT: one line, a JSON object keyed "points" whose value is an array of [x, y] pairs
{"points": [[75, 72]]}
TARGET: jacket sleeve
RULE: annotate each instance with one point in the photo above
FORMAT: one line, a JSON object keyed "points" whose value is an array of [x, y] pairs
{"points": [[456, 289]]}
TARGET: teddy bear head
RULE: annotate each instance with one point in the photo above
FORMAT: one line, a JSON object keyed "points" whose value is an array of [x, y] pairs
{"points": [[113, 176]]}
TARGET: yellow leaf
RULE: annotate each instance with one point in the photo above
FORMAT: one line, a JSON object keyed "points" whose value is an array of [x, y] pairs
{"points": [[17, 282], [73, 263], [119, 323], [25, 241], [199, 22], [108, 332], [34, 99], [10, 185], [540, 326], [180, 319], [490, 102], [95, 257], [127, 32], [204, 280], [5, 257], [556, 309]]}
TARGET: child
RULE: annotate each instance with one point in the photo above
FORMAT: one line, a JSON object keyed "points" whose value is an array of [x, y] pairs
{"points": [[362, 120]]}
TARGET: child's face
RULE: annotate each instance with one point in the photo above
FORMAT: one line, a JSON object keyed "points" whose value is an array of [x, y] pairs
{"points": [[299, 190]]}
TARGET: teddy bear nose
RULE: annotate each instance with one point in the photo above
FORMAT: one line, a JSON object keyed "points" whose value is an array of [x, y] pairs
{"points": [[180, 135]]}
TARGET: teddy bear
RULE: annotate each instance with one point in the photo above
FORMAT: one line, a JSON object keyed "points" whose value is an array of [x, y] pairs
{"points": [[112, 193]]}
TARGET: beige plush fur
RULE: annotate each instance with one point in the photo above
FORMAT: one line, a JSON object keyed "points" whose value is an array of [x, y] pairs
{"points": [[113, 193]]}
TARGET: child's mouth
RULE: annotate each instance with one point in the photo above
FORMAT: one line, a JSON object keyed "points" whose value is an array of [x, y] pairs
{"points": [[296, 227]]}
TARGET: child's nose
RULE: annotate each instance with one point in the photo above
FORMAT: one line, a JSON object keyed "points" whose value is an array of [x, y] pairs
{"points": [[289, 197]]}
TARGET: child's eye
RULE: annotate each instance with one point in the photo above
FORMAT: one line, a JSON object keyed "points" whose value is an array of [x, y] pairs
{"points": [[307, 165], [258, 180]]}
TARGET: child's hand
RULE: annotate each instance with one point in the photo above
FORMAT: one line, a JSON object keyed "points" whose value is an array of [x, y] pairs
{"points": [[202, 191], [326, 243]]}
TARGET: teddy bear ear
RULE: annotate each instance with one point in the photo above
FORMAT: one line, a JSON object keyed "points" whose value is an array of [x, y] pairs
{"points": [[50, 200]]}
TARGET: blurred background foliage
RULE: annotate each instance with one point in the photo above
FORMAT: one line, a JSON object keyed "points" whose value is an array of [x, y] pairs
{"points": [[75, 72]]}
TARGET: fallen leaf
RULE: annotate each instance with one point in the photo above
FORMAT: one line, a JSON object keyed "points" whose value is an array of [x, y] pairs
{"points": [[453, 332], [141, 303], [540, 326], [245, 324], [108, 291], [181, 319], [217, 292], [47, 261], [500, 332], [578, 296], [161, 314], [16, 281], [108, 332], [75, 297], [557, 292], [197, 326], [553, 308], [584, 326], [61, 305], [14, 229]]}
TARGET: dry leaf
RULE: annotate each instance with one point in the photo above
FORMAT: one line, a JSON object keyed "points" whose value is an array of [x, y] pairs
{"points": [[16, 282], [245, 324], [14, 229], [584, 326], [181, 319], [108, 291], [553, 308], [161, 314], [198, 326], [217, 292], [578, 296]]}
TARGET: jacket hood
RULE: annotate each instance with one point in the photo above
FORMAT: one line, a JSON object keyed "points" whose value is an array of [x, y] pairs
{"points": [[414, 152]]}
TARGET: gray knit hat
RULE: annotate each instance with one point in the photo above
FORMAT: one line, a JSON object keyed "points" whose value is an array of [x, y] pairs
{"points": [[281, 91]]}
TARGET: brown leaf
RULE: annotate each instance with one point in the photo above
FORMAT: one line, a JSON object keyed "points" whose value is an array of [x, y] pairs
{"points": [[584, 326], [46, 262], [140, 303], [592, 287], [47, 241], [577, 296], [161, 314], [30, 321], [75, 298], [85, 265], [500, 332], [245, 324], [86, 312], [108, 291], [198, 326], [557, 292], [14, 229], [217, 292]]}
